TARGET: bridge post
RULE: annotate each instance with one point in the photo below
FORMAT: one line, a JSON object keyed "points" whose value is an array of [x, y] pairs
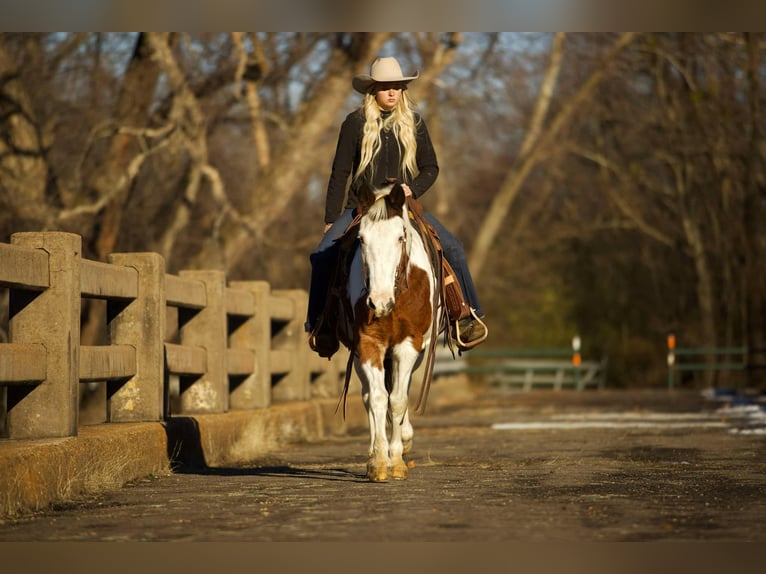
{"points": [[295, 385], [140, 323], [51, 318], [206, 328], [325, 375], [255, 335]]}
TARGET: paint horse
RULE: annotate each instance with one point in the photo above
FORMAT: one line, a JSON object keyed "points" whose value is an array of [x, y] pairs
{"points": [[391, 288]]}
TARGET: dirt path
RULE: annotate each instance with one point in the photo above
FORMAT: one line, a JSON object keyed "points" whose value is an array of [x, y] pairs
{"points": [[595, 466]]}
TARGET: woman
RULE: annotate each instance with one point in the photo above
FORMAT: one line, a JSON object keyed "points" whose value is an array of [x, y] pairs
{"points": [[381, 141]]}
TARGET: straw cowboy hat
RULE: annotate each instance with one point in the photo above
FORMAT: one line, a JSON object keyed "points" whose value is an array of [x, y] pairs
{"points": [[381, 70]]}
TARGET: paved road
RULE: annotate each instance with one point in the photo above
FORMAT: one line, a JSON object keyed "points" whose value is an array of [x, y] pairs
{"points": [[595, 466]]}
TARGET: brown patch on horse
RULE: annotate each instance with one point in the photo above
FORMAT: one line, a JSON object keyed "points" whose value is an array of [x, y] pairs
{"points": [[411, 317]]}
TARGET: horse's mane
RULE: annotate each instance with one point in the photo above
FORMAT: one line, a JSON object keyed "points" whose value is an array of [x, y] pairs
{"points": [[379, 210]]}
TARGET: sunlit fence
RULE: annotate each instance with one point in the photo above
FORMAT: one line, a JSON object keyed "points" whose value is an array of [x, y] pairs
{"points": [[215, 345]]}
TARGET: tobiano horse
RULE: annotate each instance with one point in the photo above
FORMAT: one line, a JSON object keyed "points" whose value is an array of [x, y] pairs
{"points": [[391, 289]]}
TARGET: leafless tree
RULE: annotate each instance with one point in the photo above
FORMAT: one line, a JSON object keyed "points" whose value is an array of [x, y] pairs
{"points": [[611, 184]]}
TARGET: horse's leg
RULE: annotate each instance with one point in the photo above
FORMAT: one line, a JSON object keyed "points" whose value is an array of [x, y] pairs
{"points": [[366, 402], [407, 433], [377, 402], [404, 358]]}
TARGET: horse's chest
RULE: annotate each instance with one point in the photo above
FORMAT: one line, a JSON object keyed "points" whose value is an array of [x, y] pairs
{"points": [[410, 318]]}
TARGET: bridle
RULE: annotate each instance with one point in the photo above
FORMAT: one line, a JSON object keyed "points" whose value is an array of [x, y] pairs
{"points": [[401, 278]]}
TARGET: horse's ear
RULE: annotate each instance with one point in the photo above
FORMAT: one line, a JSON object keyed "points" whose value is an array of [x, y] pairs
{"points": [[366, 199], [395, 199]]}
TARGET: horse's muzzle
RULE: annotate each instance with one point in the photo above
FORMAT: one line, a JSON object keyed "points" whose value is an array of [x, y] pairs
{"points": [[382, 308]]}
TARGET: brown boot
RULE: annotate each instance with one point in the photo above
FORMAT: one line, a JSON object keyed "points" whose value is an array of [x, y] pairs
{"points": [[323, 341], [469, 332]]}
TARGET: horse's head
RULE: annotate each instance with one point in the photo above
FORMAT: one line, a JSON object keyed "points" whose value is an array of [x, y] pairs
{"points": [[383, 238]]}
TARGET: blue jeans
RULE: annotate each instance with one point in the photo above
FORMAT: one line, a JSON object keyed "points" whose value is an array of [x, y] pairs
{"points": [[322, 260]]}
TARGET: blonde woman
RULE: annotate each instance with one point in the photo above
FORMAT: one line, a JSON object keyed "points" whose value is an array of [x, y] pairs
{"points": [[384, 139]]}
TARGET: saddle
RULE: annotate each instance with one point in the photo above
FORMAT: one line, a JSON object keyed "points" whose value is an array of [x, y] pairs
{"points": [[335, 323]]}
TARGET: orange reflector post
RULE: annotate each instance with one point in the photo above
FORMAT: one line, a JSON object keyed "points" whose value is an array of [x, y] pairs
{"points": [[671, 341]]}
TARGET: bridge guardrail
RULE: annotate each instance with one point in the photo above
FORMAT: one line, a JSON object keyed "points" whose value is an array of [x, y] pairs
{"points": [[221, 346]]}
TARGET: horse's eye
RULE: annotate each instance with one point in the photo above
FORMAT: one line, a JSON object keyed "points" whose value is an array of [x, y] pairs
{"points": [[402, 238]]}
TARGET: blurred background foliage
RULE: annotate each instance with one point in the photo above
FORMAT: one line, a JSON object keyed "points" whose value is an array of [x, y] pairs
{"points": [[606, 185]]}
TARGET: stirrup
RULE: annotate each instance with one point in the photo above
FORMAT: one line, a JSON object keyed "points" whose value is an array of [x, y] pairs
{"points": [[466, 345]]}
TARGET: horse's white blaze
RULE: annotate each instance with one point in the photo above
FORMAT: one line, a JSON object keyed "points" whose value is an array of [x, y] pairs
{"points": [[382, 262]]}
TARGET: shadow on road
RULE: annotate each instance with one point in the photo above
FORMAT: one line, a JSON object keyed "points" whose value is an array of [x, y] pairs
{"points": [[334, 474], [187, 457]]}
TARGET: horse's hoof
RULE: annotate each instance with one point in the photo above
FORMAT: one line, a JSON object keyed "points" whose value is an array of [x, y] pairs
{"points": [[399, 472], [377, 472]]}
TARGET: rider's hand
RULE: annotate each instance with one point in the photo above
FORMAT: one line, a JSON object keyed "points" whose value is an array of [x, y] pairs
{"points": [[327, 227], [407, 190]]}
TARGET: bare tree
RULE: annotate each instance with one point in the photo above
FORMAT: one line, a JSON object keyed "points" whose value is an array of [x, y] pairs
{"points": [[754, 209], [293, 161], [620, 176], [536, 142]]}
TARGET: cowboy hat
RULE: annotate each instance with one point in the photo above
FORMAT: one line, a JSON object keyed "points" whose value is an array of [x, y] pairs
{"points": [[381, 70]]}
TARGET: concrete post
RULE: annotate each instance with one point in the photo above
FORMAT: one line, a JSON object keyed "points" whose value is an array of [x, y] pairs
{"points": [[140, 323], [51, 318], [326, 379], [207, 329], [295, 386], [255, 335]]}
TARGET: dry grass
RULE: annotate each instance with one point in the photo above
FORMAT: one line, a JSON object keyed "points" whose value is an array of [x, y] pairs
{"points": [[58, 472]]}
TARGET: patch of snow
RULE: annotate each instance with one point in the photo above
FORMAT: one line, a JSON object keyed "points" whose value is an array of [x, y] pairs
{"points": [[577, 425]]}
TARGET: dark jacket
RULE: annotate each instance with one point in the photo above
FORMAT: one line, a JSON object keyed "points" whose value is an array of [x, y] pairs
{"points": [[387, 164]]}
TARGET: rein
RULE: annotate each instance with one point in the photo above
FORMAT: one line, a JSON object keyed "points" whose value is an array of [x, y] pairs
{"points": [[402, 277], [438, 312]]}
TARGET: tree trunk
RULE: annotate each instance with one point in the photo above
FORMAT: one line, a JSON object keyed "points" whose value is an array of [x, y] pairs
{"points": [[132, 110], [110, 175], [22, 163], [536, 143], [753, 212], [438, 54]]}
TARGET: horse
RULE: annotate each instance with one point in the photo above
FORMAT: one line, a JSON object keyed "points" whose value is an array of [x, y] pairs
{"points": [[391, 289]]}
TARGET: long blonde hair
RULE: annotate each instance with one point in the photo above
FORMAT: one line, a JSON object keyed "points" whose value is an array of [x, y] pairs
{"points": [[401, 121]]}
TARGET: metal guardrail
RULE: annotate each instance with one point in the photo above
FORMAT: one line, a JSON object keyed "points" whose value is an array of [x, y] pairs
{"points": [[680, 359], [554, 368]]}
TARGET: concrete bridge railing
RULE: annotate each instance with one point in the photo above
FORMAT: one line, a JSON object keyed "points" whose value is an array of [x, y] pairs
{"points": [[216, 346]]}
